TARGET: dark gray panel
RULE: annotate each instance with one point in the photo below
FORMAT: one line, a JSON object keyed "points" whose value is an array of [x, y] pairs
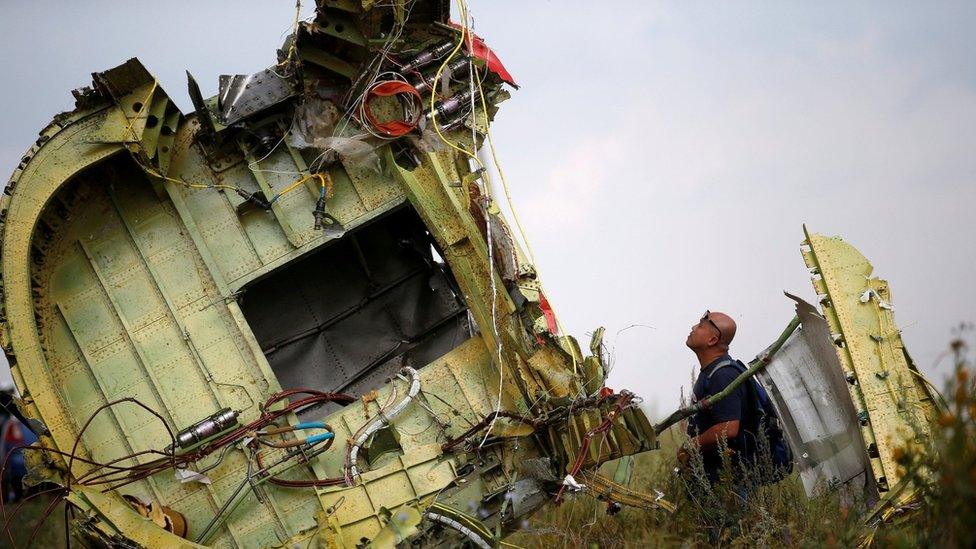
{"points": [[350, 315]]}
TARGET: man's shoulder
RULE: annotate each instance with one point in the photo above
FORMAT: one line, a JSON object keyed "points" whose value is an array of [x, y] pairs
{"points": [[724, 363], [723, 373]]}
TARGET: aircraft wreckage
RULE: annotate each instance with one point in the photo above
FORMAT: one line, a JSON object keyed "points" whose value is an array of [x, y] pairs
{"points": [[297, 316]]}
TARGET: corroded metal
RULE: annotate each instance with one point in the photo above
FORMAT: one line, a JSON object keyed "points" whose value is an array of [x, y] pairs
{"points": [[132, 233], [894, 406]]}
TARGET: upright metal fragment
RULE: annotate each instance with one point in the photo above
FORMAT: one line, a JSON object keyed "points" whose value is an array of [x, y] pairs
{"points": [[894, 407]]}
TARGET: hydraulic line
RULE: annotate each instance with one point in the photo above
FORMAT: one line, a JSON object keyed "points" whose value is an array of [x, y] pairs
{"points": [[256, 479], [329, 436], [380, 421], [317, 483], [117, 477], [296, 427], [297, 441], [468, 533]]}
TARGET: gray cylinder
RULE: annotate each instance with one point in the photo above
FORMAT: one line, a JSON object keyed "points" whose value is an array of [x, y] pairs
{"points": [[206, 428]]}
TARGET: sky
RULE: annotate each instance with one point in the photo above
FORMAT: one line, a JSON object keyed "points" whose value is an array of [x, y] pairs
{"points": [[663, 157]]}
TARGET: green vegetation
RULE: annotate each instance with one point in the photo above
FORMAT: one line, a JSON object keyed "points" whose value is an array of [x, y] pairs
{"points": [[775, 515], [49, 534], [781, 514], [946, 473]]}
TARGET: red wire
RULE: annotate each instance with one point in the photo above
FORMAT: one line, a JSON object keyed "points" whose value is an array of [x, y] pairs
{"points": [[622, 401]]}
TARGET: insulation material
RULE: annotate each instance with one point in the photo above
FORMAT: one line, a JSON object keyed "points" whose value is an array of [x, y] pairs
{"points": [[315, 127]]}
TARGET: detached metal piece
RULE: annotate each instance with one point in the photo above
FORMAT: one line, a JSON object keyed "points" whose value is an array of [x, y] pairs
{"points": [[806, 383], [207, 130], [328, 224], [242, 95]]}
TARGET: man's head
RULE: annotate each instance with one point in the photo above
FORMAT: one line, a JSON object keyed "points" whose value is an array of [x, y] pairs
{"points": [[713, 332]]}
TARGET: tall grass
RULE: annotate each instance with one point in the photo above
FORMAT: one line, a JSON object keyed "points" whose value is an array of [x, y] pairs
{"points": [[946, 472], [781, 515], [773, 515]]}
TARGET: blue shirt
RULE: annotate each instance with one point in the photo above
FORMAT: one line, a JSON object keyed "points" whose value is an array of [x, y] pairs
{"points": [[730, 408]]}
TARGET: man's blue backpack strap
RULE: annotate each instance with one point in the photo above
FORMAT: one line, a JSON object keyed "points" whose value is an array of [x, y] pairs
{"points": [[719, 366]]}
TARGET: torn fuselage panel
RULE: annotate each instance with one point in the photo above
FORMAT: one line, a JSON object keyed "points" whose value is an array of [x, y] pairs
{"points": [[160, 268], [893, 405]]}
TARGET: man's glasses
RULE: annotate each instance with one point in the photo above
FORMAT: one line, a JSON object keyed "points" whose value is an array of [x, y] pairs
{"points": [[705, 318]]}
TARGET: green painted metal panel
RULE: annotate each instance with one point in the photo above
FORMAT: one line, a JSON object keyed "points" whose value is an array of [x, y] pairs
{"points": [[126, 247]]}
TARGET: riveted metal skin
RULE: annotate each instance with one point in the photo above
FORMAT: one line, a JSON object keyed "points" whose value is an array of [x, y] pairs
{"points": [[129, 246], [894, 406]]}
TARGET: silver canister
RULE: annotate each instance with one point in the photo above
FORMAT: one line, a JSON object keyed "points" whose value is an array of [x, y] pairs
{"points": [[206, 428]]}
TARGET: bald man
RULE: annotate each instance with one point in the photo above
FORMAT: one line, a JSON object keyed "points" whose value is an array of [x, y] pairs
{"points": [[709, 340]]}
